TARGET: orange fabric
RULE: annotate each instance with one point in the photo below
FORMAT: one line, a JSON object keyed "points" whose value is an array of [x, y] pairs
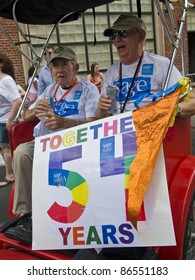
{"points": [[151, 123]]}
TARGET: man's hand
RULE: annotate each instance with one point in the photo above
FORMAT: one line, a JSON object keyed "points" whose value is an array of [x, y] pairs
{"points": [[104, 105], [104, 102], [53, 122], [42, 108]]}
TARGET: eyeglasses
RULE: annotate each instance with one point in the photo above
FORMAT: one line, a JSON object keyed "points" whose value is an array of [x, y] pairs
{"points": [[121, 34]]}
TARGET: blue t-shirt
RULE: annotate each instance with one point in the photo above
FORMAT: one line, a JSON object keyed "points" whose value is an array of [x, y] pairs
{"points": [[45, 80]]}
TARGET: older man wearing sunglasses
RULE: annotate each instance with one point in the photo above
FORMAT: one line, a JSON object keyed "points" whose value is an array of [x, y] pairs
{"points": [[137, 72]]}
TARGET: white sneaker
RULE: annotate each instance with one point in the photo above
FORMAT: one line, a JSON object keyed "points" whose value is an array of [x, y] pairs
{"points": [[2, 162]]}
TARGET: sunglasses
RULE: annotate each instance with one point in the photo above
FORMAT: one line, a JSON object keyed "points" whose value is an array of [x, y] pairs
{"points": [[121, 34]]}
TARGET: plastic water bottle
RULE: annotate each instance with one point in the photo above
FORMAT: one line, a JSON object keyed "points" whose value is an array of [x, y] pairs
{"points": [[48, 99]]}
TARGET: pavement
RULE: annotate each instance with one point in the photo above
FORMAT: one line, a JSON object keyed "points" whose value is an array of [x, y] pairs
{"points": [[5, 191], [4, 197]]}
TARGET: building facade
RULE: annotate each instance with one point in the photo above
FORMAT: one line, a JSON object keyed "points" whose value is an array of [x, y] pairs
{"points": [[85, 36]]}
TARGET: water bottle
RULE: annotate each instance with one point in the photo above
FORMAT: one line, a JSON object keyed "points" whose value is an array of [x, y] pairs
{"points": [[48, 99]]}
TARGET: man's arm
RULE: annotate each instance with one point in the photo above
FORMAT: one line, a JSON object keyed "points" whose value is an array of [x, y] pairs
{"points": [[29, 115], [41, 109], [187, 108]]}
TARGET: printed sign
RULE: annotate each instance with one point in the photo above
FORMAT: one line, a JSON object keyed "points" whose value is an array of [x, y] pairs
{"points": [[80, 190]]}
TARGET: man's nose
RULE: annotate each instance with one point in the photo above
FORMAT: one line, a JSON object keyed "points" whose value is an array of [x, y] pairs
{"points": [[117, 38]]}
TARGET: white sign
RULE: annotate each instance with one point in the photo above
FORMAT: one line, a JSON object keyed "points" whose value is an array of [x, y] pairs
{"points": [[80, 187]]}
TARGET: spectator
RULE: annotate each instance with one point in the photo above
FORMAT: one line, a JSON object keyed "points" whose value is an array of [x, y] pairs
{"points": [[32, 94], [95, 76], [10, 101], [45, 78], [80, 98], [21, 90]]}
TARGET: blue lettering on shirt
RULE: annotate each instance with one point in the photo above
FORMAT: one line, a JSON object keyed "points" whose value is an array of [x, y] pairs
{"points": [[77, 95], [147, 69], [64, 108], [142, 85]]}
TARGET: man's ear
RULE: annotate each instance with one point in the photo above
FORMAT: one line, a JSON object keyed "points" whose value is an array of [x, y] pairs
{"points": [[142, 35], [77, 67]]}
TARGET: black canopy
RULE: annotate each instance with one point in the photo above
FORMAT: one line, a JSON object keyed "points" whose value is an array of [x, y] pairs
{"points": [[46, 11]]}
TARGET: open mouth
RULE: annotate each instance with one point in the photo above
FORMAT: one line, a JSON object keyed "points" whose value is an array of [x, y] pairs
{"points": [[120, 47]]}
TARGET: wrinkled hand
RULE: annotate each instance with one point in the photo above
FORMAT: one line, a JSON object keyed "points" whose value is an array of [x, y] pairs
{"points": [[104, 102], [53, 122], [42, 108]]}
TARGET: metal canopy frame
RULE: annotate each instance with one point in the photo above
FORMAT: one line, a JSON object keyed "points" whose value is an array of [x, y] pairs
{"points": [[10, 11], [175, 37], [38, 59]]}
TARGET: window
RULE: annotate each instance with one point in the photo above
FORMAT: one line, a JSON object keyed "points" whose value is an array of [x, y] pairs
{"points": [[80, 35]]}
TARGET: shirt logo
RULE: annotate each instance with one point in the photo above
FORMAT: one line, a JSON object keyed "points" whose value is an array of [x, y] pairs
{"points": [[64, 108], [142, 85], [77, 95], [147, 69]]}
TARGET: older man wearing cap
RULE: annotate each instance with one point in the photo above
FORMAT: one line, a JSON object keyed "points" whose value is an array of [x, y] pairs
{"points": [[137, 72], [73, 101]]}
